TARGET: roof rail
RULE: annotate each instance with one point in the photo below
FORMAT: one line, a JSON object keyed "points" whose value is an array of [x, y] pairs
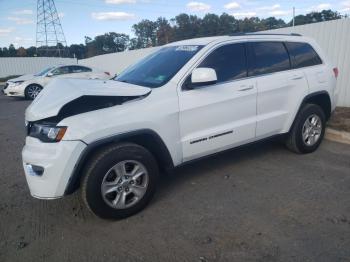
{"points": [[242, 34]]}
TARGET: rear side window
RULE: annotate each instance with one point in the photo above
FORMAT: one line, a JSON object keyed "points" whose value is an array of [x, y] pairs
{"points": [[302, 54], [267, 57], [79, 69], [229, 62]]}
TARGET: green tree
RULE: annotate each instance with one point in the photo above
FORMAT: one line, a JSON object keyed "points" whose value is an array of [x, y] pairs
{"points": [[165, 32], [12, 51], [145, 32]]}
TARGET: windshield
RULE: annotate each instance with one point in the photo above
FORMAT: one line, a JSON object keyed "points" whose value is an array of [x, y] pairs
{"points": [[44, 71], [158, 68]]}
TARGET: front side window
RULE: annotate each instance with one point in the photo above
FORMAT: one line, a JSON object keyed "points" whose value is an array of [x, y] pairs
{"points": [[302, 54], [158, 68], [44, 71], [228, 61], [267, 57]]}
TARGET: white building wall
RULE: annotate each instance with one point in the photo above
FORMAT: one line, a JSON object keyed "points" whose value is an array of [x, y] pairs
{"points": [[334, 38], [29, 65]]}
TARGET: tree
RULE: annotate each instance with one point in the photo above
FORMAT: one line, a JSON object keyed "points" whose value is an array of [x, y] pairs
{"points": [[228, 24], [145, 32], [21, 52], [272, 23], [31, 51], [186, 26], [12, 50], [165, 32], [210, 25]]}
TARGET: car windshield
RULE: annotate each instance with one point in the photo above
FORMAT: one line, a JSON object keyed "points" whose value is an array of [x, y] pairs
{"points": [[44, 71], [158, 68]]}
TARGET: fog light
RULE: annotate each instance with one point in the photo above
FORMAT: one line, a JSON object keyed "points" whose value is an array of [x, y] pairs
{"points": [[34, 170]]}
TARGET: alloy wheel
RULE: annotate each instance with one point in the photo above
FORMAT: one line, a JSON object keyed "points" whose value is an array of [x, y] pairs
{"points": [[124, 184]]}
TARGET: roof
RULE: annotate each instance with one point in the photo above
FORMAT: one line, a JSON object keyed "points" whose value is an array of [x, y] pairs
{"points": [[240, 36]]}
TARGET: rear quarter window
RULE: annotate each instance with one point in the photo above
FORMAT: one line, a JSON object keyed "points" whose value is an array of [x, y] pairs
{"points": [[302, 55]]}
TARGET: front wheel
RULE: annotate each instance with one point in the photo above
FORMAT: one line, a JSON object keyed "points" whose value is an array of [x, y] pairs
{"points": [[119, 181], [32, 91], [308, 130]]}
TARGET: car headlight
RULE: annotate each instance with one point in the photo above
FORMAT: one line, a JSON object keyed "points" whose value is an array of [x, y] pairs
{"points": [[17, 83], [48, 133]]}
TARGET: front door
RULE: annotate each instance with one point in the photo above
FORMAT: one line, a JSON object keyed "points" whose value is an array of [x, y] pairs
{"points": [[222, 115]]}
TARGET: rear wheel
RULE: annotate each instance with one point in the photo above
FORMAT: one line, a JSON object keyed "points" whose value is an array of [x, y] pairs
{"points": [[308, 130], [119, 181], [32, 91]]}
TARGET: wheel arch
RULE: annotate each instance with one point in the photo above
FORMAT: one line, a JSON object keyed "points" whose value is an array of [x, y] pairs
{"points": [[147, 138], [320, 98]]}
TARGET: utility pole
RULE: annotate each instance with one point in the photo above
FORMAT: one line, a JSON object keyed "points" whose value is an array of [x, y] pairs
{"points": [[293, 16], [50, 39]]}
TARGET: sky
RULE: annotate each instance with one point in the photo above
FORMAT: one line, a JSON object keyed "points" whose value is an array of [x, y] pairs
{"points": [[81, 18]]}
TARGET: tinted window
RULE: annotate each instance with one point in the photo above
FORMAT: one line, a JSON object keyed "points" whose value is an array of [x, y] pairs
{"points": [[302, 54], [61, 70], [79, 69], [268, 57], [158, 68], [229, 62]]}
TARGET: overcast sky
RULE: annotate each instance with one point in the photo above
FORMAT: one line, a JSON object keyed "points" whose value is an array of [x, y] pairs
{"points": [[81, 18]]}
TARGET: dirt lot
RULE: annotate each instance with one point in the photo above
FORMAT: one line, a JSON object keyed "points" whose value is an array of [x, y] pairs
{"points": [[340, 119], [259, 203]]}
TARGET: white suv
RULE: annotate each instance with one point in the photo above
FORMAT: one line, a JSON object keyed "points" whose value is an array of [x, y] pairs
{"points": [[29, 86], [188, 100]]}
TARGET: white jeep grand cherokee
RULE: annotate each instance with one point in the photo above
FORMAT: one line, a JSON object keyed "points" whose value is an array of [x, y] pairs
{"points": [[188, 100]]}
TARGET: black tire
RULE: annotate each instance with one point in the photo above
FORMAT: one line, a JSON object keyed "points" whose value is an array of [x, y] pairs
{"points": [[28, 94], [295, 141], [97, 168]]}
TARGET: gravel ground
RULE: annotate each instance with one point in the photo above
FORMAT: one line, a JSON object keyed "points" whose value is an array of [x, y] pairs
{"points": [[340, 119], [258, 203]]}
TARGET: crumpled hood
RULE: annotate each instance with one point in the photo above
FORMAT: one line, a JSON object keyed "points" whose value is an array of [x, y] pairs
{"points": [[61, 91], [22, 78]]}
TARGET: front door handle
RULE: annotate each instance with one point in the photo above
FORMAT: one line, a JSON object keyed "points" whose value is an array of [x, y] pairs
{"points": [[245, 87]]}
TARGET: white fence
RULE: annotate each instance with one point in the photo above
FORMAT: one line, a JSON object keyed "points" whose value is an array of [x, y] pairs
{"points": [[117, 62], [29, 65], [334, 38]]}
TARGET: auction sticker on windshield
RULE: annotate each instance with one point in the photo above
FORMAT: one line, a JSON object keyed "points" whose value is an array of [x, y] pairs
{"points": [[188, 48]]}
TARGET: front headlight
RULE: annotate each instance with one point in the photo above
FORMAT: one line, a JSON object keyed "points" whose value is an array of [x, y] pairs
{"points": [[17, 83], [46, 132]]}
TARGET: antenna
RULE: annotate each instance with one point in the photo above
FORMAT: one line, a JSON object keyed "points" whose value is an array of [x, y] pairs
{"points": [[50, 39]]}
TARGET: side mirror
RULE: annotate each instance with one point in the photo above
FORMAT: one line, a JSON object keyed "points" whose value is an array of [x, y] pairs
{"points": [[203, 76], [49, 74]]}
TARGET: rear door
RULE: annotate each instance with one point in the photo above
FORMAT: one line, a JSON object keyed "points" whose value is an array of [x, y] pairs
{"points": [[280, 89], [218, 116], [304, 57]]}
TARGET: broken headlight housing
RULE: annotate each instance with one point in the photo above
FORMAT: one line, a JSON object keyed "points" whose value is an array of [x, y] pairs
{"points": [[46, 132]]}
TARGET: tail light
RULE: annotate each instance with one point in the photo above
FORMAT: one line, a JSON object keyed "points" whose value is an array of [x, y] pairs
{"points": [[107, 73], [336, 72]]}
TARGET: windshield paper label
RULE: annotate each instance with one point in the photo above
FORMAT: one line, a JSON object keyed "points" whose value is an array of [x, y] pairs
{"points": [[187, 48]]}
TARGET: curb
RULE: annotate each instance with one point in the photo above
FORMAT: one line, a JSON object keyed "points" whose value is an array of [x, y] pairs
{"points": [[337, 136]]}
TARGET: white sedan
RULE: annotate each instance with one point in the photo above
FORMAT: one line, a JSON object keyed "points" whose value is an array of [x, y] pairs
{"points": [[29, 86]]}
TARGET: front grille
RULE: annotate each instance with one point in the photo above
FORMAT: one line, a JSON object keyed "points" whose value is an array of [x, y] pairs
{"points": [[6, 85]]}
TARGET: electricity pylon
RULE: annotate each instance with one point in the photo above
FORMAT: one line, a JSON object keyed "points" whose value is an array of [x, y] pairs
{"points": [[50, 39]]}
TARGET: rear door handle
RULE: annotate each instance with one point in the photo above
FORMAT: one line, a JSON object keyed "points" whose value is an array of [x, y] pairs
{"points": [[245, 87]]}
